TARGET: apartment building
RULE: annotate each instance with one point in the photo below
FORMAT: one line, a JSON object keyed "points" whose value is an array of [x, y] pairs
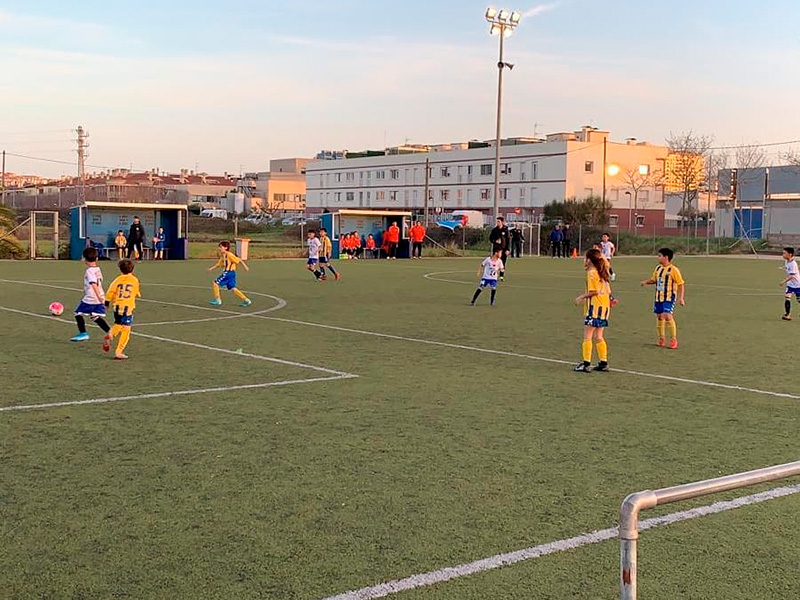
{"points": [[533, 172]]}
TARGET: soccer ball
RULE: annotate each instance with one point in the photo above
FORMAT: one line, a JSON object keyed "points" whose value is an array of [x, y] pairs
{"points": [[56, 308]]}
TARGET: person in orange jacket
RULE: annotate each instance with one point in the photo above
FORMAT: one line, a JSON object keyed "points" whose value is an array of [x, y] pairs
{"points": [[417, 235], [393, 239]]}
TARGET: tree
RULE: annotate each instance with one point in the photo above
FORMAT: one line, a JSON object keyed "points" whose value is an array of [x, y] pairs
{"points": [[9, 244], [792, 157], [592, 211], [686, 166], [636, 179]]}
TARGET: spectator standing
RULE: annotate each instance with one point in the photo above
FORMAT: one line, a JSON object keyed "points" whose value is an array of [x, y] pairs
{"points": [[556, 239], [566, 241], [417, 234], [136, 238], [393, 239], [517, 241], [500, 238]]}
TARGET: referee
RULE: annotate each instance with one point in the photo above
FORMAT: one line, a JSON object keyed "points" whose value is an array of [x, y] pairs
{"points": [[500, 237]]}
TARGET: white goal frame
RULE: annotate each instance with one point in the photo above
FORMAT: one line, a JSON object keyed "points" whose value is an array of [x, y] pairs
{"points": [[32, 224]]}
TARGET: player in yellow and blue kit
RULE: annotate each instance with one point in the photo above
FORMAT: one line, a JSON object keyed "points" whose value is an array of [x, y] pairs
{"points": [[670, 288], [228, 261], [598, 310], [325, 252], [122, 293]]}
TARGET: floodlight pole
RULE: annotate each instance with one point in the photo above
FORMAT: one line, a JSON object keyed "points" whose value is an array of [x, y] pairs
{"points": [[500, 66]]}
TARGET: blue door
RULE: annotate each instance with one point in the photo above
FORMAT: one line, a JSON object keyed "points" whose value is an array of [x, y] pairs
{"points": [[748, 222]]}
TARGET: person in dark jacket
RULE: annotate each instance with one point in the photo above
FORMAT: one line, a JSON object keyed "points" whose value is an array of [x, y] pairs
{"points": [[556, 239], [566, 241], [136, 237], [500, 238], [517, 240]]}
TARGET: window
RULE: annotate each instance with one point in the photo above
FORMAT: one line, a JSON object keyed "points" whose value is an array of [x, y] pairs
{"points": [[445, 171], [369, 174], [639, 220], [505, 169], [613, 220], [380, 174], [123, 220], [337, 196], [644, 170], [369, 196], [361, 175], [613, 195], [338, 177], [486, 169], [393, 196], [350, 196], [504, 194], [360, 196], [460, 194], [534, 170], [97, 219], [522, 193], [644, 196], [444, 195], [469, 169], [380, 195], [350, 176], [588, 166], [394, 173], [486, 194]]}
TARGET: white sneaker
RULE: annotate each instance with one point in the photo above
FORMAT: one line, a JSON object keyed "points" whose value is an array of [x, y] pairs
{"points": [[613, 277]]}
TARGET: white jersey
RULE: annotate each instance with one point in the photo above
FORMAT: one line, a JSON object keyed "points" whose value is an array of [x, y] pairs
{"points": [[607, 250], [793, 272], [93, 275], [491, 268], [313, 247]]}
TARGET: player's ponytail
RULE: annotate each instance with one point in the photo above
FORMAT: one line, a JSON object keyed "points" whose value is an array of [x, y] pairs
{"points": [[595, 257]]}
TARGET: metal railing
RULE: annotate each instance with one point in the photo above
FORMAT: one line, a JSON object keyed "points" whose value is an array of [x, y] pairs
{"points": [[635, 503]]}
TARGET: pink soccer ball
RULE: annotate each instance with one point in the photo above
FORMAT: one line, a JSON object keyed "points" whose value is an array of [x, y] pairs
{"points": [[56, 308]]}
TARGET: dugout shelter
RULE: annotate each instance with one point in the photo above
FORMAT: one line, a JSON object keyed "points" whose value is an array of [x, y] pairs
{"points": [[98, 222], [366, 222]]}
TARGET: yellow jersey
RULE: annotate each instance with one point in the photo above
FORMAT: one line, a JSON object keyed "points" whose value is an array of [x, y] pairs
{"points": [[120, 241], [667, 281], [327, 247], [122, 293], [228, 261], [598, 306]]}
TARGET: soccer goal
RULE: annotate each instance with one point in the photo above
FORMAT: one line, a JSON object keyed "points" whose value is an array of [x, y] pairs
{"points": [[635, 503], [44, 238]]}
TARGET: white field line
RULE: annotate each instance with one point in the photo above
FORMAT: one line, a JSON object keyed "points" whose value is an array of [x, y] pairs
{"points": [[389, 336], [231, 388], [502, 560], [280, 361]]}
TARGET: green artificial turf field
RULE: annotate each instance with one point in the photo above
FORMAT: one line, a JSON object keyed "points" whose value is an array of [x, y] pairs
{"points": [[379, 427]]}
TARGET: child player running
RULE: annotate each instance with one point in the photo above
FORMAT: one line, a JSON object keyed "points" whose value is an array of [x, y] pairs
{"points": [[326, 250], [492, 267], [122, 293], [228, 261], [792, 282], [598, 309], [92, 304], [670, 287], [314, 246], [609, 250]]}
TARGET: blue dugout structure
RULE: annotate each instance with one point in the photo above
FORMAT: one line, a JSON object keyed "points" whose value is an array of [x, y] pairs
{"points": [[98, 223], [366, 222]]}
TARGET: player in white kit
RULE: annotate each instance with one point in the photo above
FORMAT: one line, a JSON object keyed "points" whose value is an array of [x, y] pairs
{"points": [[792, 282], [492, 268], [608, 250], [313, 254]]}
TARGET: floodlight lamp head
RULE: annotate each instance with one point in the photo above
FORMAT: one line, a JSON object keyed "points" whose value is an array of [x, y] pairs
{"points": [[495, 29], [491, 13], [504, 15], [516, 17], [507, 31]]}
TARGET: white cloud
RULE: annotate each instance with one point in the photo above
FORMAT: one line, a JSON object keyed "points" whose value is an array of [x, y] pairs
{"points": [[537, 10]]}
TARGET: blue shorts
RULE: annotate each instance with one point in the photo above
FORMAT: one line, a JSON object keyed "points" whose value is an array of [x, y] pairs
{"points": [[91, 310], [793, 290], [123, 319], [226, 280], [664, 308], [323, 260], [159, 245], [593, 322], [490, 283], [312, 261]]}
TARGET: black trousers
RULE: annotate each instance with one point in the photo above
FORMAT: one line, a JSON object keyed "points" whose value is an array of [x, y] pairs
{"points": [[134, 246], [516, 249], [392, 250], [417, 249], [556, 248], [566, 247]]}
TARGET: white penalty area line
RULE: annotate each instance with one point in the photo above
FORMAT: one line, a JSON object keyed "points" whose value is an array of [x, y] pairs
{"points": [[510, 558], [231, 388]]}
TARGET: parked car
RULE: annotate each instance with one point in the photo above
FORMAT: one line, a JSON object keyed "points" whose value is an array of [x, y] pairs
{"points": [[214, 213]]}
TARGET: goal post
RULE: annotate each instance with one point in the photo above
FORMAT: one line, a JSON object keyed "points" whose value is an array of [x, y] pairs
{"points": [[635, 503], [40, 240]]}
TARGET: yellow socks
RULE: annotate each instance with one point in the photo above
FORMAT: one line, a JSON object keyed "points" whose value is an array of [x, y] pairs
{"points": [[662, 326], [586, 350], [602, 351], [215, 288], [673, 329], [124, 338], [239, 294]]}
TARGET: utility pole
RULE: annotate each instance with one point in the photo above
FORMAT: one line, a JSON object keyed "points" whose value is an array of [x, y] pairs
{"points": [[498, 141], [427, 181], [3, 181], [605, 166], [82, 154]]}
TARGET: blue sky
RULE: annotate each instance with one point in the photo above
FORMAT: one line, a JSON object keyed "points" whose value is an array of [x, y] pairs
{"points": [[229, 85]]}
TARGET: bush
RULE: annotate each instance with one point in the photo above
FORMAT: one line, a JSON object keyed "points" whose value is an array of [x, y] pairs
{"points": [[9, 244]]}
